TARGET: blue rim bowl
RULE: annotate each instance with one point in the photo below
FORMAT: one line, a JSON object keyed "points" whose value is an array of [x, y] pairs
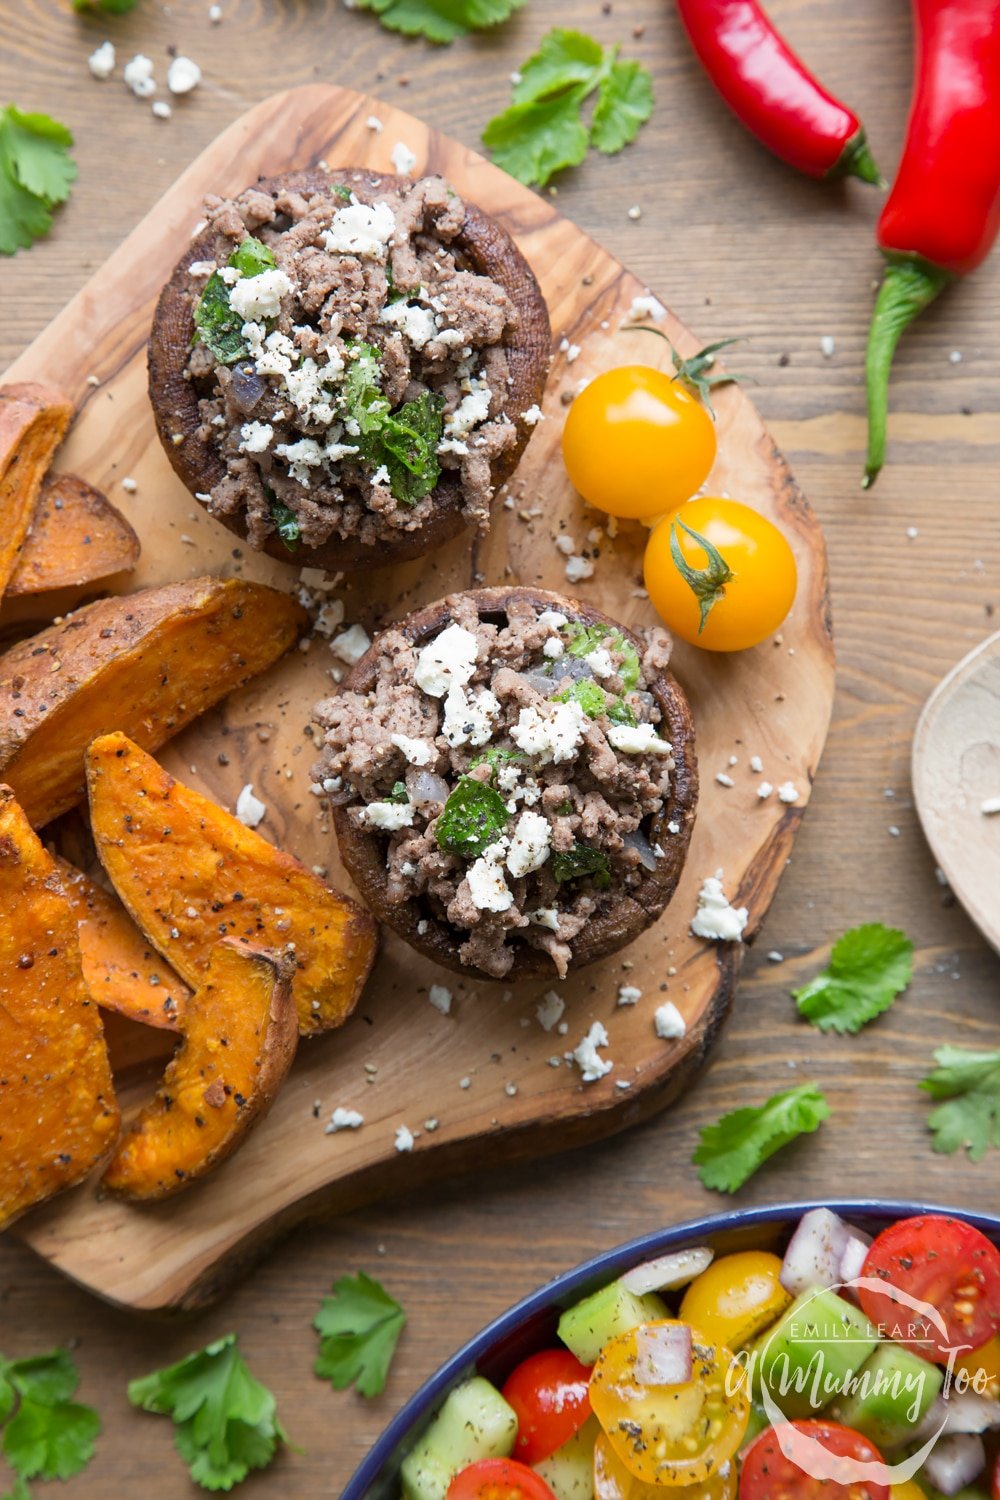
{"points": [[531, 1323]]}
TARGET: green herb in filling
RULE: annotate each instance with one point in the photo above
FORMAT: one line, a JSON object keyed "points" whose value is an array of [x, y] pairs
{"points": [[343, 193], [582, 859], [398, 793], [496, 756], [474, 817], [590, 697], [252, 257], [404, 441], [285, 522], [621, 712], [586, 638], [215, 324]]}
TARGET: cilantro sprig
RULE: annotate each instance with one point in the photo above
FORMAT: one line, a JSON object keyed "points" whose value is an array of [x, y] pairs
{"points": [[226, 1421], [359, 1328], [404, 441], [440, 20], [869, 967], [544, 129], [968, 1084], [738, 1145], [474, 817], [36, 174], [46, 1434]]}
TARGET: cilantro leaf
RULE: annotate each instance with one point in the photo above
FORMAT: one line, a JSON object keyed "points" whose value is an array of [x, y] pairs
{"points": [[582, 859], [869, 966], [359, 1327], [590, 697], [407, 446], [36, 173], [45, 1434], [621, 712], [252, 257], [495, 757], [286, 522], [969, 1083], [226, 1420], [474, 817], [216, 325], [398, 793], [45, 1378], [440, 20], [360, 392], [733, 1149], [544, 129], [109, 7]]}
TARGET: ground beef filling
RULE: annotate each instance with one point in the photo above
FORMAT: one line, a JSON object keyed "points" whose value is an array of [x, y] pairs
{"points": [[512, 770], [348, 274]]}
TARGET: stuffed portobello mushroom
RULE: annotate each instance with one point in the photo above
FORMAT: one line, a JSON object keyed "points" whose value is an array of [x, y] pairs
{"points": [[513, 781], [344, 367]]}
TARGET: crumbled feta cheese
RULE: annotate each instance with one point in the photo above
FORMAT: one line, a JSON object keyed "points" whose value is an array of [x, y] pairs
{"points": [[374, 123], [628, 994], [638, 739], [599, 662], [529, 847], [328, 617], [202, 268], [416, 324], [351, 645], [756, 764], [487, 886], [102, 61], [533, 415], [453, 445], [417, 752], [552, 619], [301, 457], [715, 919], [471, 410], [255, 297], [668, 1022], [764, 790], [361, 229], [249, 809], [635, 212], [138, 76], [469, 720], [449, 658], [549, 1010], [551, 732], [788, 792], [215, 14], [827, 346], [129, 485], [403, 159], [553, 648], [724, 779], [389, 816], [344, 1119], [255, 437], [183, 75], [573, 352], [578, 568], [404, 1138], [990, 806], [161, 109], [545, 916], [645, 307], [566, 545], [586, 1055], [440, 997]]}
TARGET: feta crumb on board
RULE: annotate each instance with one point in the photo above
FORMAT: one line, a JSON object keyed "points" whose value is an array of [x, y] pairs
{"points": [[374, 123], [756, 764], [440, 997], [129, 485], [183, 75], [668, 1022], [827, 346], [137, 75], [101, 61], [990, 806], [404, 1138], [344, 1119], [628, 994], [161, 109], [715, 919], [724, 779], [351, 645], [764, 790], [403, 159], [549, 1010], [645, 307], [587, 1057], [250, 810], [788, 792], [578, 568]]}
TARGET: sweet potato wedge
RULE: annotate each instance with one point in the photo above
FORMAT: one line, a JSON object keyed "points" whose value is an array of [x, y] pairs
{"points": [[58, 1114], [188, 872], [77, 536], [240, 1036], [122, 970], [147, 663], [33, 422]]}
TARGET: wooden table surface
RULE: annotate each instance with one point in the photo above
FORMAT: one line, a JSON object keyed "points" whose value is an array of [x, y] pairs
{"points": [[737, 244]]}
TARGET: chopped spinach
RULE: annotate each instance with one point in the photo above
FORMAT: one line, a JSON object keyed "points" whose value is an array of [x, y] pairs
{"points": [[398, 793], [361, 398], [582, 859], [285, 521], [404, 441], [629, 669], [591, 698], [215, 324], [495, 757], [586, 638], [583, 638], [621, 712], [474, 817], [252, 257]]}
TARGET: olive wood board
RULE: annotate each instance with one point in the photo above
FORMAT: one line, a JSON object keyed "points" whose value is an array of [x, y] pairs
{"points": [[955, 770], [773, 701]]}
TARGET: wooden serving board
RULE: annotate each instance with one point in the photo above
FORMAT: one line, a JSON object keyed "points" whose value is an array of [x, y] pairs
{"points": [[485, 1072]]}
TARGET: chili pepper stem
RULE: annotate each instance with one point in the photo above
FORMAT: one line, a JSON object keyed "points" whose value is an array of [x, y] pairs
{"points": [[908, 287], [856, 160]]}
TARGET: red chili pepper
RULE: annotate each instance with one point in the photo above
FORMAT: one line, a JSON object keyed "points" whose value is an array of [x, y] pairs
{"points": [[943, 214], [773, 93]]}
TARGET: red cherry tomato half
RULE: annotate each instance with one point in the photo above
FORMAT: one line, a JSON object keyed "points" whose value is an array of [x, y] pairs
{"points": [[498, 1479], [938, 1261], [548, 1391], [767, 1473]]}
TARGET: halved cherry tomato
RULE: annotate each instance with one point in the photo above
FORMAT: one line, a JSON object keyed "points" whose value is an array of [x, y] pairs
{"points": [[736, 1297], [637, 442], [938, 1261], [498, 1479], [612, 1481], [669, 1434], [747, 607], [767, 1473], [548, 1392]]}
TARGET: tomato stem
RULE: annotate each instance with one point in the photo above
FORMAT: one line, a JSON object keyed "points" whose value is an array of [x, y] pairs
{"points": [[909, 286], [707, 584], [692, 372]]}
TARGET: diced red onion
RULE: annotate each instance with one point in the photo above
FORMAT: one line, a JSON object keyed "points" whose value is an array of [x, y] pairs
{"points": [[854, 1255], [246, 387], [428, 787], [961, 1411], [955, 1462], [663, 1354], [542, 682], [814, 1252], [638, 841], [667, 1271]]}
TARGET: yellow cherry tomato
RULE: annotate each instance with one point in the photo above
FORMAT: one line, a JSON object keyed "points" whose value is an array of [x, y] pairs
{"points": [[669, 1434], [981, 1368], [909, 1490], [736, 1297], [637, 443], [728, 600], [612, 1481]]}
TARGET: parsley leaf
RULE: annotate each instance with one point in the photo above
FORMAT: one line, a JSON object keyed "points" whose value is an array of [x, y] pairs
{"points": [[474, 817], [582, 859], [359, 1327], [544, 129], [734, 1148], [226, 1420], [969, 1082], [869, 966], [46, 1434], [440, 20], [36, 172]]}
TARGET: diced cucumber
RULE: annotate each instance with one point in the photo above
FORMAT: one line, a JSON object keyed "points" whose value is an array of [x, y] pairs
{"points": [[475, 1422], [569, 1471], [808, 1355], [594, 1322], [896, 1390]]}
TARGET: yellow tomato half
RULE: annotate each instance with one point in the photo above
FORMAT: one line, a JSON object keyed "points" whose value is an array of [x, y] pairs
{"points": [[637, 443], [736, 1297], [612, 1481], [669, 1434], [982, 1367], [909, 1490]]}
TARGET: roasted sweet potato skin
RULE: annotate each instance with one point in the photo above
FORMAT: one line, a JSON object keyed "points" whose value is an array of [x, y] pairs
{"points": [[121, 969], [76, 537], [188, 872], [240, 1035], [33, 422], [147, 663], [58, 1115]]}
